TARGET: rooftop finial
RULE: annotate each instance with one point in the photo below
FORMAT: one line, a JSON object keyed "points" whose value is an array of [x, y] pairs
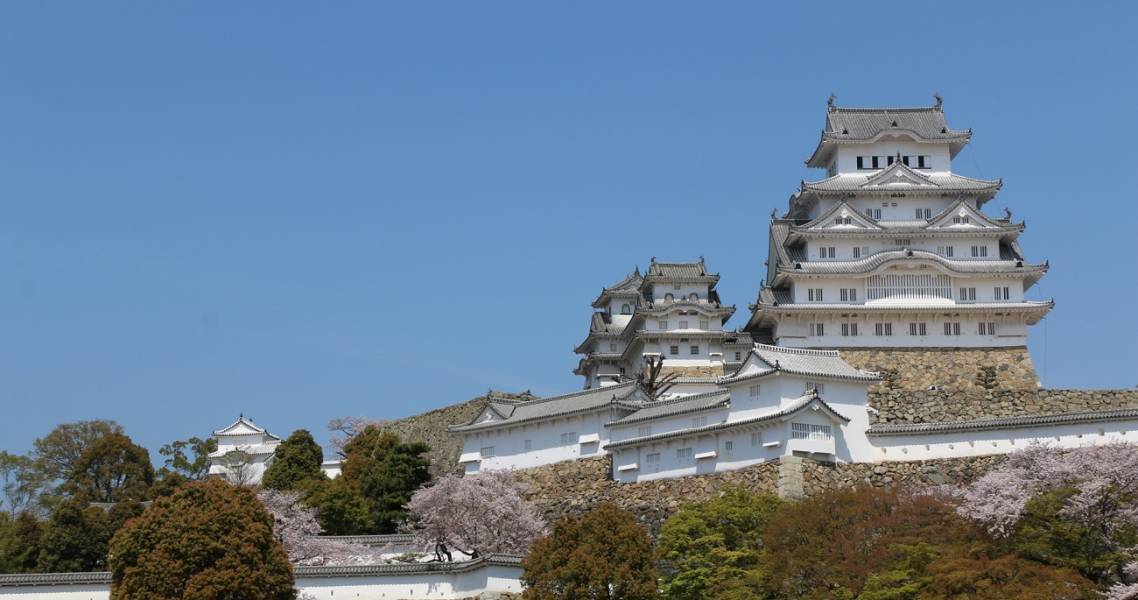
{"points": [[830, 102], [939, 100], [774, 211], [653, 259], [1007, 213]]}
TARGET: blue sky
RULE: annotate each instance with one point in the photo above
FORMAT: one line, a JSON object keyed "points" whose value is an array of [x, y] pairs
{"points": [[379, 209]]}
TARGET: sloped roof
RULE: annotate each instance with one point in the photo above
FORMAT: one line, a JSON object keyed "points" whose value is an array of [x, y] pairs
{"points": [[676, 406], [243, 426], [799, 405], [624, 395], [861, 125], [799, 361], [897, 429], [680, 271], [900, 177], [878, 259]]}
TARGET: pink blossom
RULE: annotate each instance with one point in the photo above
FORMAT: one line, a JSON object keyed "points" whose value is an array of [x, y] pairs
{"points": [[476, 515], [295, 525]]}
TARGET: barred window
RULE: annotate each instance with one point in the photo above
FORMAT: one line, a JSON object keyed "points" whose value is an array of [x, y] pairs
{"points": [[908, 286], [684, 455], [918, 329], [810, 431], [486, 452], [569, 437]]}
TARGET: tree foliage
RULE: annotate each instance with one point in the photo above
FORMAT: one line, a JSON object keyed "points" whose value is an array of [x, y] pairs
{"points": [[57, 452], [188, 458], [296, 459], [341, 508], [386, 472], [207, 541], [346, 428], [112, 469], [603, 555], [22, 483], [711, 549], [19, 542], [75, 538], [475, 515], [295, 525]]}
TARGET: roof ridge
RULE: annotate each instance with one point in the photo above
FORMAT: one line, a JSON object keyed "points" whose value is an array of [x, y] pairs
{"points": [[578, 393], [899, 109], [679, 399], [802, 351]]}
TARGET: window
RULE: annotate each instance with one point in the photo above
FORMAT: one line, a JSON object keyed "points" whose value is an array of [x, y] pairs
{"points": [[757, 439], [644, 431], [1003, 293], [952, 328], [905, 159], [979, 251], [987, 328], [699, 421], [924, 213], [817, 329], [861, 162], [814, 294], [945, 251], [729, 447], [814, 385], [961, 220], [528, 445], [569, 437], [874, 162], [653, 461], [883, 329], [849, 294], [694, 350], [675, 286], [684, 455], [918, 329], [486, 452], [674, 350], [849, 329], [625, 309], [908, 286], [902, 242], [923, 163], [810, 431], [612, 346], [661, 324], [856, 252], [873, 213], [704, 324], [888, 160], [738, 356], [845, 220], [968, 294], [754, 390], [683, 324], [827, 252]]}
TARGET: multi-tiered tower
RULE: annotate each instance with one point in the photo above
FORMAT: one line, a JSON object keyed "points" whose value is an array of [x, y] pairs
{"points": [[672, 311], [892, 252]]}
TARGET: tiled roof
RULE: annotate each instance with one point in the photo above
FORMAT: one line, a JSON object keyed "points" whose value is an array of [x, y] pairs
{"points": [[299, 571], [810, 362], [937, 182], [873, 261], [892, 429], [799, 405], [624, 395], [846, 124], [677, 406], [679, 270]]}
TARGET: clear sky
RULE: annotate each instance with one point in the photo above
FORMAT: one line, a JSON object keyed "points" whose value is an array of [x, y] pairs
{"points": [[208, 209]]}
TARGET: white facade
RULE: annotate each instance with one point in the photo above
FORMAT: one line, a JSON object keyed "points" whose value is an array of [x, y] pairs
{"points": [[244, 451], [520, 434], [892, 249]]}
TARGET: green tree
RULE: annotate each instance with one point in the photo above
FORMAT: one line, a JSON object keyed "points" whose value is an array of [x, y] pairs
{"points": [[341, 508], [711, 549], [19, 542], [57, 452], [188, 458], [209, 540], [21, 483], [296, 459], [75, 539], [112, 469], [603, 555], [386, 471]]}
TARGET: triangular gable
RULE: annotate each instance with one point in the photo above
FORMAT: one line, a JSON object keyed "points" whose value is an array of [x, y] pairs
{"points": [[242, 426], [898, 174], [816, 404], [842, 210], [491, 414], [952, 218]]}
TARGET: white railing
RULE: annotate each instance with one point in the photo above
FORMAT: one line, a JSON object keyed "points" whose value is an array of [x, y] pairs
{"points": [[908, 287]]}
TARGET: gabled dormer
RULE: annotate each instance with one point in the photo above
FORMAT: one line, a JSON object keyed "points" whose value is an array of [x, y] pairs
{"points": [[962, 215], [841, 217], [898, 174]]}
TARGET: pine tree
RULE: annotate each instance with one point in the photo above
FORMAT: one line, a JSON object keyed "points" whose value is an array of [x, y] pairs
{"points": [[296, 459]]}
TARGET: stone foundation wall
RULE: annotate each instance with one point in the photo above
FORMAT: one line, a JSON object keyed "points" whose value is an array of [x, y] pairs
{"points": [[818, 477], [947, 368], [705, 371], [922, 406], [575, 487]]}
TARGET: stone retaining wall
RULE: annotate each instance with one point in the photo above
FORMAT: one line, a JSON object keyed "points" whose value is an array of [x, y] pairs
{"points": [[947, 368], [922, 406], [818, 477]]}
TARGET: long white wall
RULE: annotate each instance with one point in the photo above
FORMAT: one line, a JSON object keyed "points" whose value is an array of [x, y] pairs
{"points": [[931, 446], [538, 443], [796, 333]]}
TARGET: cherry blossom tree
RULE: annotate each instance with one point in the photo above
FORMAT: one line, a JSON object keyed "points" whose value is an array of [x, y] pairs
{"points": [[347, 428], [295, 526], [475, 515], [1084, 499]]}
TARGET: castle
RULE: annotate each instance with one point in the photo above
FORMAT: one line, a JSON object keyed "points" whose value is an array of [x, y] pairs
{"points": [[888, 268]]}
